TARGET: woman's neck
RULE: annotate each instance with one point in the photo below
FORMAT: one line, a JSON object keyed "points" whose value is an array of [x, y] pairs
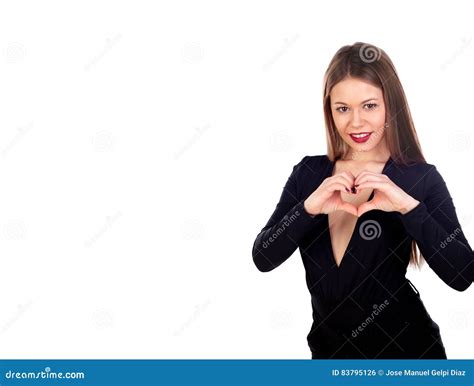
{"points": [[362, 157]]}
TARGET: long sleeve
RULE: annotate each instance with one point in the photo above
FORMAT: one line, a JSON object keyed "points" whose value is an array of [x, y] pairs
{"points": [[288, 224], [434, 225]]}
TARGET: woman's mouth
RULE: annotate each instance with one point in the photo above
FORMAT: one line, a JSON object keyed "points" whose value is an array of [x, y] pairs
{"points": [[360, 137]]}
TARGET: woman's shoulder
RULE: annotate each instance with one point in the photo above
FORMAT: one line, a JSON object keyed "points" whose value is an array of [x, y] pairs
{"points": [[419, 167], [424, 174], [313, 164]]}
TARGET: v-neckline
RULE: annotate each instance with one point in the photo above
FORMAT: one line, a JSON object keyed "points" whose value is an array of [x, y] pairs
{"points": [[332, 165]]}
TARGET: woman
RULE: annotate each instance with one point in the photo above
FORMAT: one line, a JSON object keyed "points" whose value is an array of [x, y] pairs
{"points": [[358, 215]]}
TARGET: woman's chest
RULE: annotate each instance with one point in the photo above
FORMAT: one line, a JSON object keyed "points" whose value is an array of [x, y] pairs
{"points": [[342, 224]]}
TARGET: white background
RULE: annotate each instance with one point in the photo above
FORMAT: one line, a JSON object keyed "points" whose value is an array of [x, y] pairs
{"points": [[143, 145]]}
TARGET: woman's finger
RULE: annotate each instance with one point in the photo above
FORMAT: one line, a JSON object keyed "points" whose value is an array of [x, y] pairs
{"points": [[365, 207], [368, 176], [339, 185], [380, 185], [349, 208], [348, 179]]}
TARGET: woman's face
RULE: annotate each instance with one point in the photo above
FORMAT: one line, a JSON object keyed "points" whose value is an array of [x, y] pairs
{"points": [[358, 107]]}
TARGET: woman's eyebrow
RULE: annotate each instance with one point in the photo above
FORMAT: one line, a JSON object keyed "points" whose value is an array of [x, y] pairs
{"points": [[367, 100]]}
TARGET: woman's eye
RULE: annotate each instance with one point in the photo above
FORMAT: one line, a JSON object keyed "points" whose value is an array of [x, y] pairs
{"points": [[372, 106], [367, 106]]}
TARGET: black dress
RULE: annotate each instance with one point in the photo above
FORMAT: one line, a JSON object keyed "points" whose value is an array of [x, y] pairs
{"points": [[366, 307]]}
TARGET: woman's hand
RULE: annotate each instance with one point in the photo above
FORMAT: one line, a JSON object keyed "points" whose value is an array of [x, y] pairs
{"points": [[387, 195], [327, 197]]}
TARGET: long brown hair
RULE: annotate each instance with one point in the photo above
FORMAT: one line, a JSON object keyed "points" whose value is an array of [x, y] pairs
{"points": [[371, 64]]}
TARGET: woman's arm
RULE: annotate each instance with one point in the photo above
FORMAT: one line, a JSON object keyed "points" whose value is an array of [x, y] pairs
{"points": [[288, 224], [434, 225]]}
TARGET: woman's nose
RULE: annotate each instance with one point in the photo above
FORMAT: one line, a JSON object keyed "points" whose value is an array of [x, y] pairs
{"points": [[356, 120]]}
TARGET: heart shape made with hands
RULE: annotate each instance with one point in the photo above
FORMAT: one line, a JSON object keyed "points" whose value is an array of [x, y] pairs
{"points": [[386, 195], [365, 206]]}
